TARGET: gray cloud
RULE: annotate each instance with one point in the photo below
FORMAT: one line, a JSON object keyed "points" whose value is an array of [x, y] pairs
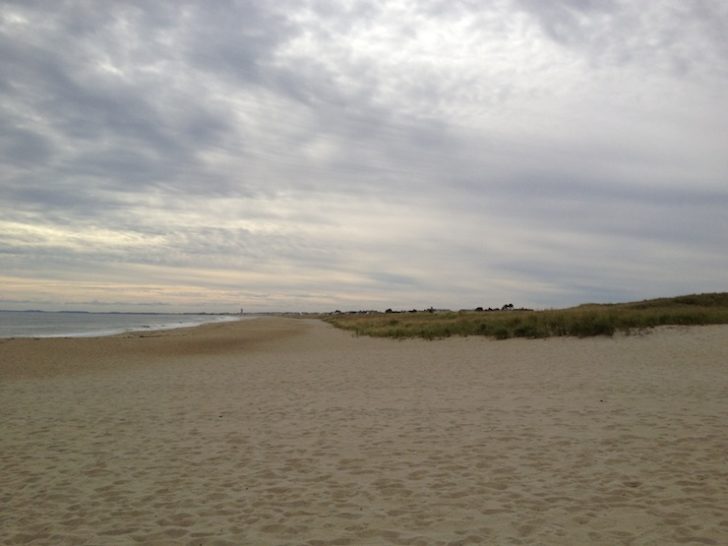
{"points": [[371, 154], [686, 39], [23, 148]]}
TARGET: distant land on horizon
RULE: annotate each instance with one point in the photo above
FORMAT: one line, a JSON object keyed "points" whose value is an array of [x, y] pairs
{"points": [[76, 311], [710, 299]]}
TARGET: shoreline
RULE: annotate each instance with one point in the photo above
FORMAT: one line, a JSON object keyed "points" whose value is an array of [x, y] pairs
{"points": [[279, 431], [172, 323], [58, 356]]}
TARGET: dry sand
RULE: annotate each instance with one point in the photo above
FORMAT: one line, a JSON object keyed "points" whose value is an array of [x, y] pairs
{"points": [[279, 431]]}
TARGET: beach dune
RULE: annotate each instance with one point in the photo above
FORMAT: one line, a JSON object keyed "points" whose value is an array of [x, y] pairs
{"points": [[288, 431]]}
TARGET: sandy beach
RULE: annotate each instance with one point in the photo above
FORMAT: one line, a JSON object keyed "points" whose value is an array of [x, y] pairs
{"points": [[282, 431]]}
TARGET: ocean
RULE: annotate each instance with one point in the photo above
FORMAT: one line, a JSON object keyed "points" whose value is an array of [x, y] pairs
{"points": [[79, 324]]}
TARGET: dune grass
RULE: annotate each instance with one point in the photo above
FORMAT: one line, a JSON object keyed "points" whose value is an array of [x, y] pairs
{"points": [[582, 321]]}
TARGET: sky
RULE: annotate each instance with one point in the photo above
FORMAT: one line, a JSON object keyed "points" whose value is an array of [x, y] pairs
{"points": [[365, 154]]}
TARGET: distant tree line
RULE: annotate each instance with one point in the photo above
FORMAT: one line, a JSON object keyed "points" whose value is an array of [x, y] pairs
{"points": [[506, 307]]}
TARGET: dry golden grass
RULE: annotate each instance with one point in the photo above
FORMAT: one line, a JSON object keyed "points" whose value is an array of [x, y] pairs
{"points": [[582, 321]]}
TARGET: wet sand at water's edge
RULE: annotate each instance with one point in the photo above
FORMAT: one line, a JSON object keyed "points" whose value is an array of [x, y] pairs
{"points": [[280, 431]]}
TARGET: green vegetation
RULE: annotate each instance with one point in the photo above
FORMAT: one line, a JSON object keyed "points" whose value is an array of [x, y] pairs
{"points": [[582, 321]]}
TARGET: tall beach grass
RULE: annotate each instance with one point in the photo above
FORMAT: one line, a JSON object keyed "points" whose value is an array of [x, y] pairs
{"points": [[582, 321]]}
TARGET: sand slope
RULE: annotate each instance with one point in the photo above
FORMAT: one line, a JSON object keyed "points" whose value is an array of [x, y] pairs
{"points": [[279, 431]]}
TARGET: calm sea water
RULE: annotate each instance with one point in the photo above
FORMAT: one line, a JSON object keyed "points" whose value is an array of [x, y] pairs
{"points": [[40, 324]]}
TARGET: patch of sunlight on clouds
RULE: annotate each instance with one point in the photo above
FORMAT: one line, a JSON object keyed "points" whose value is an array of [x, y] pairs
{"points": [[38, 236], [108, 67], [81, 291], [13, 17], [265, 276]]}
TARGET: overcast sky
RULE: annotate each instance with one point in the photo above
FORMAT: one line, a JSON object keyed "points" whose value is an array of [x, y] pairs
{"points": [[320, 155]]}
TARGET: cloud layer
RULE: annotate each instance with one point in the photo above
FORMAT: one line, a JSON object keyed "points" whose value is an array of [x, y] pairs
{"points": [[354, 154]]}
